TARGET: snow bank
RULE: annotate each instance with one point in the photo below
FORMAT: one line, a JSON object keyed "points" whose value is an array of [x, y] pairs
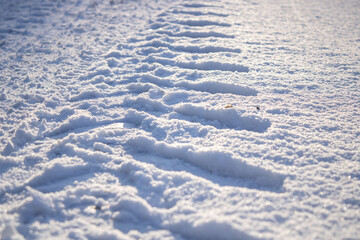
{"points": [[215, 161], [229, 117]]}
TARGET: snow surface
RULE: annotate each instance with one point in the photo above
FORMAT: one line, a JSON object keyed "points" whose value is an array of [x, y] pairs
{"points": [[179, 119]]}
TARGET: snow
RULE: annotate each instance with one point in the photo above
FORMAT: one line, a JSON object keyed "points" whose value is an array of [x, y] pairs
{"points": [[215, 161], [179, 119], [230, 118]]}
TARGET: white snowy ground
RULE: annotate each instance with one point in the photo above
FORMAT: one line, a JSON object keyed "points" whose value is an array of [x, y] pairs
{"points": [[160, 119]]}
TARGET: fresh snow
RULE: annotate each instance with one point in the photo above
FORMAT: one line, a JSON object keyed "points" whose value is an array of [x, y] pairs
{"points": [[179, 119]]}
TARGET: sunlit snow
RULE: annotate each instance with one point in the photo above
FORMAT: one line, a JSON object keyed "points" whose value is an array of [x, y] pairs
{"points": [[179, 119]]}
